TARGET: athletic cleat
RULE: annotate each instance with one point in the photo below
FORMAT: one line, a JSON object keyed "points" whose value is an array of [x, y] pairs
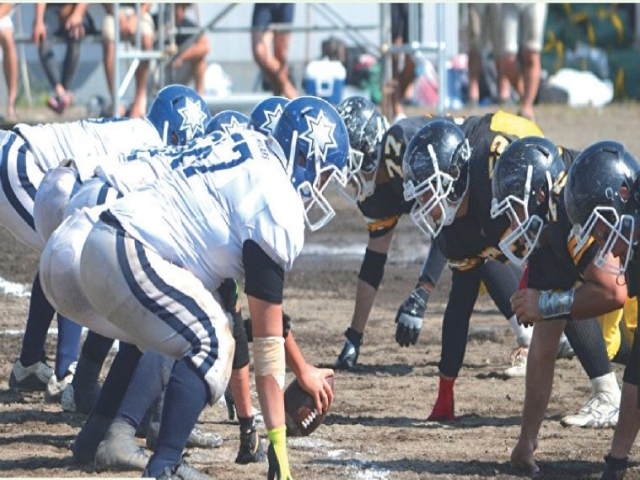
{"points": [[197, 439], [598, 412], [251, 448], [565, 350], [32, 378], [518, 366], [119, 450], [442, 413], [182, 471], [91, 434], [55, 387], [348, 356]]}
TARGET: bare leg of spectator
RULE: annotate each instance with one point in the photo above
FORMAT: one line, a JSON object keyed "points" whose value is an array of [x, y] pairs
{"points": [[139, 107], [269, 65], [281, 42], [10, 67], [531, 82]]}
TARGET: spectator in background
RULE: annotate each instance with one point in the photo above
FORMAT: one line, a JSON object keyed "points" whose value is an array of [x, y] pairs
{"points": [[521, 32], [9, 59], [273, 66], [70, 23], [482, 28], [404, 78], [129, 25], [190, 64]]}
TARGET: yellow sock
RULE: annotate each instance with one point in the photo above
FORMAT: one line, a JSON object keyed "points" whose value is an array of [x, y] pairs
{"points": [[278, 438]]}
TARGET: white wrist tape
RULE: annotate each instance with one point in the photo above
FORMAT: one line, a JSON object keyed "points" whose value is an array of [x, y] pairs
{"points": [[555, 305], [269, 358]]}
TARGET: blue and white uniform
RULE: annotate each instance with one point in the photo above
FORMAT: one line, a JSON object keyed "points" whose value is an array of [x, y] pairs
{"points": [[60, 260], [166, 246], [28, 152]]}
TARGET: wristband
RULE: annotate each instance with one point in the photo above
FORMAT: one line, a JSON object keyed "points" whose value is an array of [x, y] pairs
{"points": [[555, 305]]}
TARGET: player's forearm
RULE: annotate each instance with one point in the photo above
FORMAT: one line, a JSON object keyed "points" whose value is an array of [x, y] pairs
{"points": [[294, 358], [591, 300]]}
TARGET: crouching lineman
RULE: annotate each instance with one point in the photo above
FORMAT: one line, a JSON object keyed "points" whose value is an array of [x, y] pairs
{"points": [[378, 192], [177, 115], [166, 246], [455, 200], [602, 198], [562, 282]]}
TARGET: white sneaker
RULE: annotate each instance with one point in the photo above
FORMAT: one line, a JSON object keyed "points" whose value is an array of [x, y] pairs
{"points": [[518, 366], [55, 387], [565, 350], [32, 378], [598, 412]]}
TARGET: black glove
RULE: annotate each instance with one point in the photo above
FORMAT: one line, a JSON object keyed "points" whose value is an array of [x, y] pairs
{"points": [[409, 317], [286, 327]]}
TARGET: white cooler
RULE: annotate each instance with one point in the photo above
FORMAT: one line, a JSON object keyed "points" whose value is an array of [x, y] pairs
{"points": [[325, 79]]}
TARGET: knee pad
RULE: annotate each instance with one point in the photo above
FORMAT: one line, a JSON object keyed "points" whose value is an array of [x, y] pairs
{"points": [[372, 268]]}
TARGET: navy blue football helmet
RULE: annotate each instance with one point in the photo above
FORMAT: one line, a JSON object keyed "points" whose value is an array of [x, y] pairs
{"points": [[366, 127], [179, 114], [265, 115], [435, 168], [528, 171], [315, 145], [227, 122], [602, 190]]}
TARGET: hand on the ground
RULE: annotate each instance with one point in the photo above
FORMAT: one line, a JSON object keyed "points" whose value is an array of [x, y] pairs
{"points": [[409, 317]]}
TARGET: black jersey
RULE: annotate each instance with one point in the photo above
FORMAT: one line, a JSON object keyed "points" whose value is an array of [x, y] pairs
{"points": [[387, 204], [556, 264], [474, 237]]}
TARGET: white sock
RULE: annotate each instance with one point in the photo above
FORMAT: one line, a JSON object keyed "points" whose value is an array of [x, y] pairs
{"points": [[523, 334], [607, 384]]}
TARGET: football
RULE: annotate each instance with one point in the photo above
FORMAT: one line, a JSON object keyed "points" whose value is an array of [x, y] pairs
{"points": [[301, 416]]}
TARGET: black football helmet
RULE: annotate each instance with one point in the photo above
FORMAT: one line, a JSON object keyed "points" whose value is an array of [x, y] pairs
{"points": [[523, 179], [435, 167], [366, 127], [602, 188]]}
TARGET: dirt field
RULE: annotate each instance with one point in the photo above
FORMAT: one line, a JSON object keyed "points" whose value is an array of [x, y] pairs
{"points": [[376, 428]]}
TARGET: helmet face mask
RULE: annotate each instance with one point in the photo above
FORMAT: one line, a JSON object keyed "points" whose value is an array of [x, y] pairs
{"points": [[366, 128], [315, 144], [601, 199], [526, 227], [436, 175], [524, 177], [621, 228]]}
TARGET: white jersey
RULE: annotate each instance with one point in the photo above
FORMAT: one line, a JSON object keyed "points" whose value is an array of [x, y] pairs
{"points": [[199, 216], [109, 139]]}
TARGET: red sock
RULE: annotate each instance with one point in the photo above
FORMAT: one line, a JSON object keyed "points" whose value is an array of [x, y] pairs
{"points": [[443, 409]]}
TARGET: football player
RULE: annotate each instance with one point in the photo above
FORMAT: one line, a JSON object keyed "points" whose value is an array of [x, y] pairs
{"points": [[562, 283], [379, 193], [187, 259], [453, 202], [601, 197], [177, 115]]}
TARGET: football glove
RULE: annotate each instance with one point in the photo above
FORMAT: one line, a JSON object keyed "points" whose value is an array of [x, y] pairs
{"points": [[409, 317]]}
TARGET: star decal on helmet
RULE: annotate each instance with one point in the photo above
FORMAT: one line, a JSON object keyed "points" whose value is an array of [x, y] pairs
{"points": [[192, 118], [233, 126], [271, 118], [320, 134]]}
